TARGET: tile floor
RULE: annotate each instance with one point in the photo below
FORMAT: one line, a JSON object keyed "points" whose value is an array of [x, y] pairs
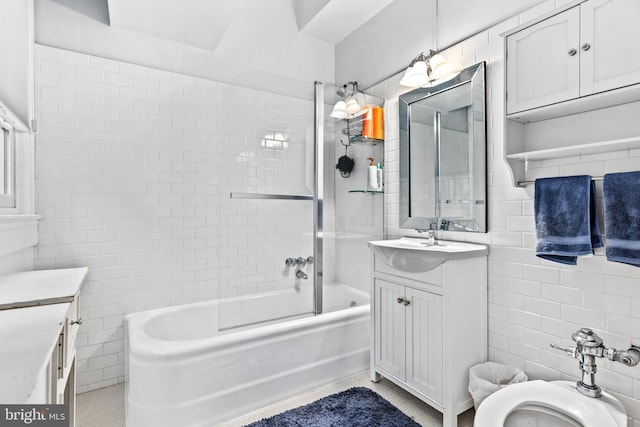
{"points": [[105, 407]]}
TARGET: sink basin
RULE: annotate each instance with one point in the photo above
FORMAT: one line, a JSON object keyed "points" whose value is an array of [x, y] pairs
{"points": [[416, 255]]}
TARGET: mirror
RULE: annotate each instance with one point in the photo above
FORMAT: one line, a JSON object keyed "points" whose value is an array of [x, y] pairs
{"points": [[443, 160]]}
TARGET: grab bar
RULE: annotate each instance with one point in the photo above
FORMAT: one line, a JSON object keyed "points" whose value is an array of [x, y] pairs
{"points": [[269, 196]]}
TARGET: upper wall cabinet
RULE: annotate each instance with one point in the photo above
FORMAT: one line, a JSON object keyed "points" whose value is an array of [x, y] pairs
{"points": [[587, 53]]}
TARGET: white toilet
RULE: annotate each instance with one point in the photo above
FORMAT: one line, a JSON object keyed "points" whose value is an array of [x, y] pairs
{"points": [[549, 404]]}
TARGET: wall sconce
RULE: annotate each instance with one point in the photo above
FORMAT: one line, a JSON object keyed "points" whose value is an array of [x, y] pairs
{"points": [[350, 106], [425, 68]]}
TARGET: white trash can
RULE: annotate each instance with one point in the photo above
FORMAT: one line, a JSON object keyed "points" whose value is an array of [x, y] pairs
{"points": [[489, 377]]}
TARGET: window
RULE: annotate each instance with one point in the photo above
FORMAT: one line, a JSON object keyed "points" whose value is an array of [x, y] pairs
{"points": [[7, 165]]}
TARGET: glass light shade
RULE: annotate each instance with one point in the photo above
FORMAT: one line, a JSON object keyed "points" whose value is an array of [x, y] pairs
{"points": [[444, 69], [436, 60], [352, 106], [416, 75], [339, 110]]}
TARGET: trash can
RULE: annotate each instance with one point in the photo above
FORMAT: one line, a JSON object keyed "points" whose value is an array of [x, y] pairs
{"points": [[489, 377]]}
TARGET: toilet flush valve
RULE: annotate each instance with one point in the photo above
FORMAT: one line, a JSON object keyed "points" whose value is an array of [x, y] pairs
{"points": [[589, 346]]}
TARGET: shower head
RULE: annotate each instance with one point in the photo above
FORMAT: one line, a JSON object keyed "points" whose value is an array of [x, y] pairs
{"points": [[344, 89]]}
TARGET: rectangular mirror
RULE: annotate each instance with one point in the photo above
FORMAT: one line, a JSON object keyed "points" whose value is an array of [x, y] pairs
{"points": [[443, 163]]}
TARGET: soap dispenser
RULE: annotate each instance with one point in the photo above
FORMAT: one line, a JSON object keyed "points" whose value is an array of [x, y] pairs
{"points": [[372, 175]]}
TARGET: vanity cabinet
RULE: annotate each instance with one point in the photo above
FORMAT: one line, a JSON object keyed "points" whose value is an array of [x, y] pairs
{"points": [[409, 336], [39, 322], [429, 320], [589, 48]]}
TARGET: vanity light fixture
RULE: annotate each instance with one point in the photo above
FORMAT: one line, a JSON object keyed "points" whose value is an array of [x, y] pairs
{"points": [[426, 68], [350, 106]]}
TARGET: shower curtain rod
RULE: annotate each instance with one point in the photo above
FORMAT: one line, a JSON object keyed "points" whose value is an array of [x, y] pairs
{"points": [[527, 183]]}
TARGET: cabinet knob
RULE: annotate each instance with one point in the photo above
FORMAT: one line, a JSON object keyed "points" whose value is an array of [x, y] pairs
{"points": [[77, 322], [586, 47], [399, 300], [406, 302], [572, 52], [403, 301]]}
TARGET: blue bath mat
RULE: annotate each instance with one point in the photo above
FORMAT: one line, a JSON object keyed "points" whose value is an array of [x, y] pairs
{"points": [[356, 407]]}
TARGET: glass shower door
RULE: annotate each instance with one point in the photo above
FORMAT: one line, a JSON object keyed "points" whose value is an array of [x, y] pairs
{"points": [[270, 214]]}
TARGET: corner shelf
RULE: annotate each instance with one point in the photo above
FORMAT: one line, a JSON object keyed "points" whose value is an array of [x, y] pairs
{"points": [[367, 191], [365, 140]]}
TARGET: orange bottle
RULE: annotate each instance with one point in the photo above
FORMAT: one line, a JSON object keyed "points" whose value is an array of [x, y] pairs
{"points": [[367, 122], [378, 122]]}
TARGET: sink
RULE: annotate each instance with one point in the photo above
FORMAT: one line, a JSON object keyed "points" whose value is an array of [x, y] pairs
{"points": [[416, 255]]}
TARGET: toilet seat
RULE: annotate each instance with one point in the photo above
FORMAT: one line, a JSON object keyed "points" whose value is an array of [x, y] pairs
{"points": [[560, 396]]}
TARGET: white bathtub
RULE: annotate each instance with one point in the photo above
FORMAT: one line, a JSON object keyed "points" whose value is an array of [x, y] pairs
{"points": [[183, 371]]}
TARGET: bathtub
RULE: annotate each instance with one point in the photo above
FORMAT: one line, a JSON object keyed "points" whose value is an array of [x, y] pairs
{"points": [[186, 369]]}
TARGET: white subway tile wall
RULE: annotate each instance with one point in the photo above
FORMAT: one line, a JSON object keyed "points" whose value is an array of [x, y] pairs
{"points": [[533, 303], [19, 261], [134, 167]]}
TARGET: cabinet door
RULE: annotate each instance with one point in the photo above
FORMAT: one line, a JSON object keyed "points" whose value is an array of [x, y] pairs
{"points": [[543, 62], [425, 351], [610, 45], [389, 319]]}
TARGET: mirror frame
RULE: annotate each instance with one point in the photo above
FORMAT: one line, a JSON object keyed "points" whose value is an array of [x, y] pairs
{"points": [[475, 75]]}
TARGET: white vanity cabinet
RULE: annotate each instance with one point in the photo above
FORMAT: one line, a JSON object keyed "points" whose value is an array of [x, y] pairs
{"points": [[39, 321], [588, 47], [408, 325], [429, 319]]}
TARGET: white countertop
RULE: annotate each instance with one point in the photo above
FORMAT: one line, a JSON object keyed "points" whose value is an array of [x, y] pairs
{"points": [[40, 287], [27, 339]]}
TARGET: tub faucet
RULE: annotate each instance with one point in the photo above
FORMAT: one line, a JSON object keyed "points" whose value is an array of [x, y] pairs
{"points": [[589, 346], [301, 274], [290, 262]]}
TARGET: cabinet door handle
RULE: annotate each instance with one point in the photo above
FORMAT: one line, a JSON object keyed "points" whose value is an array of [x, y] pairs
{"points": [[77, 322], [572, 52], [406, 302], [586, 47], [400, 300]]}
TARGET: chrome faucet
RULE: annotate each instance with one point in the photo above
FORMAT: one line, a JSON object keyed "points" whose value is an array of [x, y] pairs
{"points": [[301, 274], [431, 237], [589, 346]]}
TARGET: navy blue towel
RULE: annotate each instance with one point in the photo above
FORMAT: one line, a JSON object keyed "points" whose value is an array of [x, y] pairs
{"points": [[565, 217], [622, 217]]}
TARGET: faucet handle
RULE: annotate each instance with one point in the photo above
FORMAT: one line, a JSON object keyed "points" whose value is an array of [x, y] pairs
{"points": [[569, 350], [290, 262]]}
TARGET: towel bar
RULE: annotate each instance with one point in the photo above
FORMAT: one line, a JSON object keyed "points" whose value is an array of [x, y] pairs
{"points": [[527, 183]]}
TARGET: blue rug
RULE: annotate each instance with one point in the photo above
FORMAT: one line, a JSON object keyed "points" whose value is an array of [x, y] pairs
{"points": [[356, 407]]}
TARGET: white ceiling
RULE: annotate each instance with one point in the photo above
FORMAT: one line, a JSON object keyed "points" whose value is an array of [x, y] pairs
{"points": [[204, 23], [199, 23], [336, 19]]}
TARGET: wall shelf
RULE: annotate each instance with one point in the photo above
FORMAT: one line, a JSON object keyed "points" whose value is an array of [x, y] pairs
{"points": [[578, 150]]}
